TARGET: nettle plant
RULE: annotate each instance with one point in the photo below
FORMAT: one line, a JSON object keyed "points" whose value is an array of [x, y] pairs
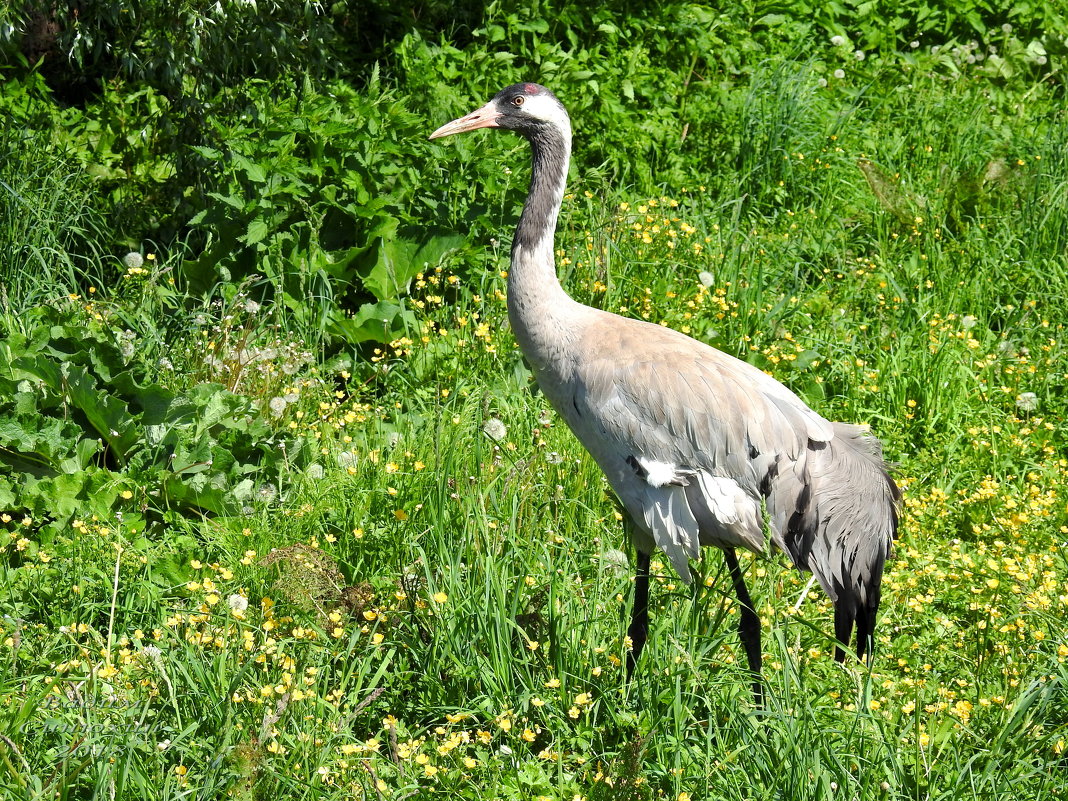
{"points": [[319, 195]]}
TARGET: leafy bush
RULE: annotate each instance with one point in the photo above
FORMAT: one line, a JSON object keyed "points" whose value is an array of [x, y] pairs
{"points": [[608, 68], [81, 427], [188, 48], [321, 194]]}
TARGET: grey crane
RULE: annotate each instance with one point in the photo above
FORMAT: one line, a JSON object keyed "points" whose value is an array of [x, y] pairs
{"points": [[696, 444]]}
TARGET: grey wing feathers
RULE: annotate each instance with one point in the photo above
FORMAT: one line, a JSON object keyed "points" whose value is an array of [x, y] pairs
{"points": [[837, 517], [685, 408]]}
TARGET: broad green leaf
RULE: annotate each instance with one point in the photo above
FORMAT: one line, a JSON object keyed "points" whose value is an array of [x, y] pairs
{"points": [[256, 231], [374, 322], [400, 260]]}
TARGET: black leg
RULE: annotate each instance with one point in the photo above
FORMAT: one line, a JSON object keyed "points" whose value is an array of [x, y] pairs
{"points": [[749, 627], [639, 616]]}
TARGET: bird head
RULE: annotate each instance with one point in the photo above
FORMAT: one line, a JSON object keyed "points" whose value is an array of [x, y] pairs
{"points": [[525, 108]]}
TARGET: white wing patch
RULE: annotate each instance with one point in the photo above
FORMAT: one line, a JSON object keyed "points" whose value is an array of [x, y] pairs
{"points": [[684, 508], [660, 474], [674, 528]]}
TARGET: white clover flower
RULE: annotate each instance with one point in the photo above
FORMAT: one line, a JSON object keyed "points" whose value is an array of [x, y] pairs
{"points": [[237, 603], [839, 74], [706, 278], [495, 429], [837, 40], [152, 652], [133, 260], [1027, 401]]}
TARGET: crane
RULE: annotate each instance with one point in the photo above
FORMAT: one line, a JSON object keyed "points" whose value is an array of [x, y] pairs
{"points": [[698, 446]]}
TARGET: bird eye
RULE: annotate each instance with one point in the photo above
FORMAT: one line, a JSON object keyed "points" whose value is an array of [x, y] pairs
{"points": [[519, 100]]}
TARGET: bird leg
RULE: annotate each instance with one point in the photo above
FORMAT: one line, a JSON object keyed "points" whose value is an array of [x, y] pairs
{"points": [[749, 626], [639, 616]]}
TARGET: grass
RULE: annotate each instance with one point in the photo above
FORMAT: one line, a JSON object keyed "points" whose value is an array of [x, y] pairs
{"points": [[430, 597]]}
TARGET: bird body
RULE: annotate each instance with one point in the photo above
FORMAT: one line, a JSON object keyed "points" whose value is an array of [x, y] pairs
{"points": [[695, 443]]}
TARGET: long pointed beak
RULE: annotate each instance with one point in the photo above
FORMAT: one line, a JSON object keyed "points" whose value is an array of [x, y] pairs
{"points": [[485, 117]]}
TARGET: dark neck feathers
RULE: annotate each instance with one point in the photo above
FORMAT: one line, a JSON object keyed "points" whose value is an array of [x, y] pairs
{"points": [[550, 153]]}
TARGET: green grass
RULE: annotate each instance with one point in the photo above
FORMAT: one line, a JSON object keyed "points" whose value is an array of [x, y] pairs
{"points": [[415, 602]]}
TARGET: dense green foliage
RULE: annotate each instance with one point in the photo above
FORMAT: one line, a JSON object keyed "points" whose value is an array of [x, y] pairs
{"points": [[281, 514]]}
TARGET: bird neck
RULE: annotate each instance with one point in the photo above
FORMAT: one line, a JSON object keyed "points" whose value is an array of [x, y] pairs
{"points": [[533, 287]]}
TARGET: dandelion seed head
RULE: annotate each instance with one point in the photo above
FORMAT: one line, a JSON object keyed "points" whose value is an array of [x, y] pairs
{"points": [[1027, 401], [495, 429], [133, 260]]}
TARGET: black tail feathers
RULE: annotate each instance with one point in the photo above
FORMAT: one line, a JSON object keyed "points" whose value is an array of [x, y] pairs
{"points": [[852, 609]]}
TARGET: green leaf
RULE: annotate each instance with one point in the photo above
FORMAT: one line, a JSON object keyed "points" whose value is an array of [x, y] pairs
{"points": [[400, 260], [254, 171], [374, 322], [256, 231]]}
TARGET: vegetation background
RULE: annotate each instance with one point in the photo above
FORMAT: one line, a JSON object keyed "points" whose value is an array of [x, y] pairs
{"points": [[281, 515]]}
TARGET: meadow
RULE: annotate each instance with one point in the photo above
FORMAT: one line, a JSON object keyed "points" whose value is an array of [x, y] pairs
{"points": [[283, 515]]}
